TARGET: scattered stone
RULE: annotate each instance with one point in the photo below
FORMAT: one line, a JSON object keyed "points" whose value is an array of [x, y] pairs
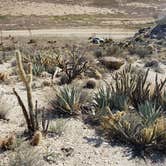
{"points": [[47, 83], [91, 84], [94, 74], [152, 64], [4, 76], [63, 80], [67, 151], [32, 41], [159, 32]]}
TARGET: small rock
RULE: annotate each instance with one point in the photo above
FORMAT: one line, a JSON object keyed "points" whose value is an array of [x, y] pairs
{"points": [[91, 84], [152, 64], [67, 151]]}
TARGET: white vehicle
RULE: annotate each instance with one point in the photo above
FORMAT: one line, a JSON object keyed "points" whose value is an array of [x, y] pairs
{"points": [[96, 40]]}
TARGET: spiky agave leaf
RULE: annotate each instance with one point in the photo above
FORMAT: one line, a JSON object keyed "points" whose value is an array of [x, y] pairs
{"points": [[68, 100], [102, 101], [149, 113]]}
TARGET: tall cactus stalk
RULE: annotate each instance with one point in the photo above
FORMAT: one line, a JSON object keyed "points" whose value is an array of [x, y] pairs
{"points": [[27, 80]]}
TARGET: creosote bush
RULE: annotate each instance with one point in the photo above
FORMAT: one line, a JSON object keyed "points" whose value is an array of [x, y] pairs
{"points": [[74, 63]]}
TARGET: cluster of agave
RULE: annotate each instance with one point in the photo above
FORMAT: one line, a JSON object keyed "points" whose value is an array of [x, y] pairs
{"points": [[136, 112], [43, 61], [130, 108]]}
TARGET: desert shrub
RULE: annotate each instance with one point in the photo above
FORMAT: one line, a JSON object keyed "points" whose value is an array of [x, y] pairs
{"points": [[38, 69], [118, 102], [90, 84], [74, 63], [145, 129], [25, 156], [6, 55], [114, 50], [109, 49], [68, 101], [58, 127], [129, 128], [98, 53], [124, 81], [141, 51]]}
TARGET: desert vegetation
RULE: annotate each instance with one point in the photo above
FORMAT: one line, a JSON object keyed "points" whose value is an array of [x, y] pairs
{"points": [[105, 86], [75, 102]]}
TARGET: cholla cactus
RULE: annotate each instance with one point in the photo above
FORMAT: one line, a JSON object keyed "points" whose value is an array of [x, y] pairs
{"points": [[30, 114]]}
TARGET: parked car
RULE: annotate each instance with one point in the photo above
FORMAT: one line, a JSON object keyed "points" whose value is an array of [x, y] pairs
{"points": [[96, 40]]}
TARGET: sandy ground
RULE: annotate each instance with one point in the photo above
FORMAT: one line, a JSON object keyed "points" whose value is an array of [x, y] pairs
{"points": [[22, 7], [17, 8], [20, 14]]}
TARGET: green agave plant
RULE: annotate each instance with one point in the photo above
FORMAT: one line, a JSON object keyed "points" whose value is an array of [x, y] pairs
{"points": [[102, 101], [68, 100], [149, 113]]}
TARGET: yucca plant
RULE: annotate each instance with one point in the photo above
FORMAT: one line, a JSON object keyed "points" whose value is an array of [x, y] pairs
{"points": [[68, 101], [102, 101], [149, 113]]}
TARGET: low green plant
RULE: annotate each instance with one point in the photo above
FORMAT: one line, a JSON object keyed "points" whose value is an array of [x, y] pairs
{"points": [[25, 156], [141, 51], [67, 101], [58, 127], [102, 101], [37, 69], [149, 113]]}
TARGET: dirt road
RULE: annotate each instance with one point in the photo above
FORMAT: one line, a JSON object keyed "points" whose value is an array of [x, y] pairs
{"points": [[75, 32]]}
